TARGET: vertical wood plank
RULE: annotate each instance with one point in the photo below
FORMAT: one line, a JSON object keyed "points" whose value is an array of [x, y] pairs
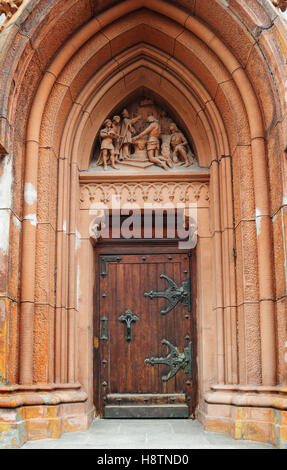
{"points": [[124, 287]]}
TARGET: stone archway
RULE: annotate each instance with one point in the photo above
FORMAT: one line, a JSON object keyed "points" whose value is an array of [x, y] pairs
{"points": [[95, 187], [210, 88]]}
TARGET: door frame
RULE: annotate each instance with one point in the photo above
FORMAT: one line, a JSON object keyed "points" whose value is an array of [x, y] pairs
{"points": [[140, 246]]}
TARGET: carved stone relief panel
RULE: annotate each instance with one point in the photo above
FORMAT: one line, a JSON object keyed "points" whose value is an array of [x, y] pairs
{"points": [[142, 137]]}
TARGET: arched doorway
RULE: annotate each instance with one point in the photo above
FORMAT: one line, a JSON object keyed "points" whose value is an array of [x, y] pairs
{"points": [[140, 203], [214, 95]]}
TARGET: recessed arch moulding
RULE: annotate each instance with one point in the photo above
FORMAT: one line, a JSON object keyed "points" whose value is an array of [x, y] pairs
{"points": [[241, 324]]}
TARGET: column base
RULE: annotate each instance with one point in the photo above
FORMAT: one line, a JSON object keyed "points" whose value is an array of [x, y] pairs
{"points": [[33, 416], [218, 413]]}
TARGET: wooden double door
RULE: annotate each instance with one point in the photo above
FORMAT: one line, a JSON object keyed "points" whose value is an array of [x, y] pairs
{"points": [[144, 333]]}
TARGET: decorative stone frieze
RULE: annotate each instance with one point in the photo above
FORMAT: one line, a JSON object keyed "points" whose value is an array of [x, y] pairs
{"points": [[141, 193]]}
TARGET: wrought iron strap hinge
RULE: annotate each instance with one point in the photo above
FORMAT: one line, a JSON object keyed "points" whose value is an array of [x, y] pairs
{"points": [[173, 294], [108, 259], [175, 360]]}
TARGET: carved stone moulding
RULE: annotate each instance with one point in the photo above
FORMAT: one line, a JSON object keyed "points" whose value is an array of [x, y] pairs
{"points": [[7, 9], [142, 193]]}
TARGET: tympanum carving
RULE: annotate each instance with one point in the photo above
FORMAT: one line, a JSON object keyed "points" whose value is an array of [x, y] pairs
{"points": [[142, 137]]}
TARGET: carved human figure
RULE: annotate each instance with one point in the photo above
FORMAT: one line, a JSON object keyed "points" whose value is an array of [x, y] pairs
{"points": [[117, 129], [178, 144], [153, 144], [107, 135], [127, 131]]}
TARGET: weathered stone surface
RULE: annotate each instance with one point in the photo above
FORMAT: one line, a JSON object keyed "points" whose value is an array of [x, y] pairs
{"points": [[276, 157], [273, 45], [45, 264], [57, 26], [264, 87], [222, 74], [246, 262], [281, 317], [233, 33], [233, 112], [249, 343], [244, 203], [200, 59], [279, 255], [47, 187], [4, 328], [82, 67]]}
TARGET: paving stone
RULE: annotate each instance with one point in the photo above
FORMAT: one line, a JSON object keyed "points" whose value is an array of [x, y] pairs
{"points": [[145, 434]]}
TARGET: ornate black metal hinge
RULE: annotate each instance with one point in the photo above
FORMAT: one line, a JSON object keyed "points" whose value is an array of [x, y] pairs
{"points": [[128, 318], [108, 259], [175, 360], [173, 294]]}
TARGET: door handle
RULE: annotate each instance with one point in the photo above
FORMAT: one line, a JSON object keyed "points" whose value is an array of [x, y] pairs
{"points": [[128, 318], [104, 323]]}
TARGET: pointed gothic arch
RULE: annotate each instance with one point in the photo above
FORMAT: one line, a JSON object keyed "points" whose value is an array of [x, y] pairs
{"points": [[146, 43]]}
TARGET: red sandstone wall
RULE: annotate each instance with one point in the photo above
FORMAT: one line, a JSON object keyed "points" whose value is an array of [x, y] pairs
{"points": [[237, 107]]}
